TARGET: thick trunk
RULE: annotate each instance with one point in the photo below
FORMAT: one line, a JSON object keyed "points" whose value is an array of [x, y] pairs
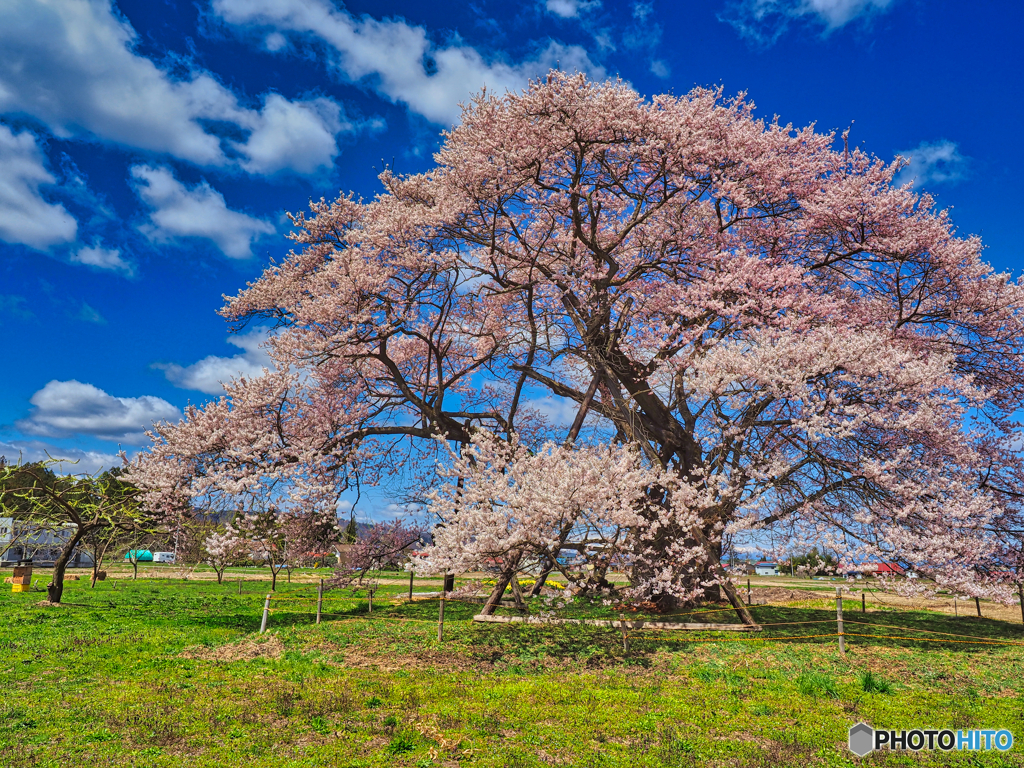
{"points": [[220, 576], [542, 579], [55, 589]]}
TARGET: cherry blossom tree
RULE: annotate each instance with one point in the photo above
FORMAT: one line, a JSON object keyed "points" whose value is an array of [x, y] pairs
{"points": [[755, 326], [222, 549]]}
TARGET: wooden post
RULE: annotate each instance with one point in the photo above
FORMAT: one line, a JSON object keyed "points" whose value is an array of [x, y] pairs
{"points": [[369, 596], [266, 613], [625, 636], [748, 593], [1020, 593], [239, 586], [863, 603], [839, 620], [440, 619], [977, 604], [319, 600], [956, 612], [410, 586]]}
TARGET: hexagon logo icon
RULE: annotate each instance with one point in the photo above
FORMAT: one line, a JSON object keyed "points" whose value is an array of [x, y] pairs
{"points": [[862, 738]]}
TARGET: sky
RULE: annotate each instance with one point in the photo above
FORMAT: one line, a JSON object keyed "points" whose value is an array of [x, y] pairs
{"points": [[151, 150]]}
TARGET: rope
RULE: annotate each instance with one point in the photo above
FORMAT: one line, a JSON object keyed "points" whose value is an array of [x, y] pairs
{"points": [[914, 629], [936, 639]]}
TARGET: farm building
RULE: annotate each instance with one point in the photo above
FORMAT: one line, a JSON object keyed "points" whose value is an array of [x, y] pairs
{"points": [[766, 569]]}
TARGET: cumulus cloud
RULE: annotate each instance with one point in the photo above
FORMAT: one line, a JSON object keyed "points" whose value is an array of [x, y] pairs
{"points": [[103, 258], [936, 162], [64, 408], [72, 65], [397, 59], [295, 135], [25, 217], [570, 9], [72, 461], [209, 374], [177, 211], [764, 21]]}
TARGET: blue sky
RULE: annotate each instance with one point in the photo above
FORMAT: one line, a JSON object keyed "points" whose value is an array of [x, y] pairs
{"points": [[149, 150]]}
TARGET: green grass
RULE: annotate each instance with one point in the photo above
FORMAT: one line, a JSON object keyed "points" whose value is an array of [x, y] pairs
{"points": [[165, 673]]}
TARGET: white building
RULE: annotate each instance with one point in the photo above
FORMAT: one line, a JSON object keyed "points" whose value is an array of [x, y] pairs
{"points": [[766, 569]]}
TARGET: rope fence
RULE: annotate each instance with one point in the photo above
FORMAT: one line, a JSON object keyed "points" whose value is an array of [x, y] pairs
{"points": [[629, 628]]}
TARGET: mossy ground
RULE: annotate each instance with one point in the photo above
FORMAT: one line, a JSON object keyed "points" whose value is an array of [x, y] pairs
{"points": [[169, 673]]}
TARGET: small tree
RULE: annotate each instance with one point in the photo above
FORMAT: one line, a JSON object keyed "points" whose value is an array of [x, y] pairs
{"points": [[98, 542], [222, 549], [70, 505]]}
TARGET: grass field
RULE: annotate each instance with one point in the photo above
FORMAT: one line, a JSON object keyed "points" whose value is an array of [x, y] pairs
{"points": [[159, 672]]}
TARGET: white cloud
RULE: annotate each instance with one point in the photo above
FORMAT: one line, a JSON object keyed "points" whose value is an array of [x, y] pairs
{"points": [[932, 163], [765, 20], [570, 9], [178, 211], [660, 68], [72, 65], [209, 374], [103, 258], [295, 135], [399, 60], [25, 217], [63, 408], [75, 460]]}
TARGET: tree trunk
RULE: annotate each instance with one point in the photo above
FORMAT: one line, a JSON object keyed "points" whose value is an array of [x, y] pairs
{"points": [[135, 568], [220, 576], [273, 579], [499, 589], [55, 589], [549, 566]]}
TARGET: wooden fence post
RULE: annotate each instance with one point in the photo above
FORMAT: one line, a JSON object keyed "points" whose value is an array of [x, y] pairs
{"points": [[748, 593], [319, 600], [266, 613], [863, 603], [369, 596], [410, 586], [956, 611], [239, 586], [977, 604], [839, 620]]}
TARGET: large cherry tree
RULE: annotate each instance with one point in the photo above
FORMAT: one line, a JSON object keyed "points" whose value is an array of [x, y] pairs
{"points": [[778, 333]]}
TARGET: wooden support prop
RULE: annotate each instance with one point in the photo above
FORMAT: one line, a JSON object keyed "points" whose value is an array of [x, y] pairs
{"points": [[863, 603], [319, 600], [616, 623], [956, 611], [977, 604], [369, 596], [266, 613], [839, 620], [410, 586]]}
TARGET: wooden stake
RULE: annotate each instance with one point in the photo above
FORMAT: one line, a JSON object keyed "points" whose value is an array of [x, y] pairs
{"points": [[625, 636], [1020, 593], [956, 612], [369, 595], [410, 586], [266, 613], [863, 603], [239, 586], [839, 621], [748, 593], [977, 604], [319, 600]]}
